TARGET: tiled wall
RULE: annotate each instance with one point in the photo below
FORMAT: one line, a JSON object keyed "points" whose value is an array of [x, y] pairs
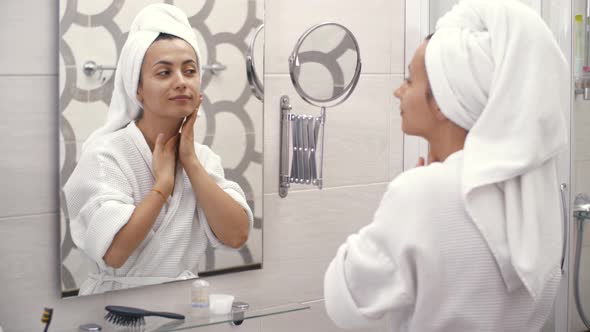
{"points": [[302, 231]]}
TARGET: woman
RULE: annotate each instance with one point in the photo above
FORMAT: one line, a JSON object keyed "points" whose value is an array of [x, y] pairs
{"points": [[144, 197], [472, 241]]}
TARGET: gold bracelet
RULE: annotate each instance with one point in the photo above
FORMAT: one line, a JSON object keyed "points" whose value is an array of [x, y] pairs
{"points": [[161, 194]]}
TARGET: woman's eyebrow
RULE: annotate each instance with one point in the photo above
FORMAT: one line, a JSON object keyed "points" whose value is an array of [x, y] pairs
{"points": [[162, 62], [168, 63]]}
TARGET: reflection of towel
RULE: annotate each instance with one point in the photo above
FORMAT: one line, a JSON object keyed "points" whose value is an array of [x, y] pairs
{"points": [[147, 25], [496, 70]]}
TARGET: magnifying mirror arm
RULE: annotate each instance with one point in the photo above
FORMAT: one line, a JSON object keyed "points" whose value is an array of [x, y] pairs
{"points": [[299, 140]]}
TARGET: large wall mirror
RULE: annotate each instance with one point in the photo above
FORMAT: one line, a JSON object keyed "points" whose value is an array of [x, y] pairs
{"points": [[229, 123]]}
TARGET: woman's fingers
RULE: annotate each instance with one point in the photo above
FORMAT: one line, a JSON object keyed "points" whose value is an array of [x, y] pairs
{"points": [[199, 101], [190, 121], [159, 142], [420, 162], [171, 143]]}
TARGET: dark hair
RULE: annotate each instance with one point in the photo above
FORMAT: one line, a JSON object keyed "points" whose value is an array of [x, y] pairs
{"points": [[166, 36]]}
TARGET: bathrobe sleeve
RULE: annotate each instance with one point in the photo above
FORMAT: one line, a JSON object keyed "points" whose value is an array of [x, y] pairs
{"points": [[369, 278], [100, 202], [212, 164]]}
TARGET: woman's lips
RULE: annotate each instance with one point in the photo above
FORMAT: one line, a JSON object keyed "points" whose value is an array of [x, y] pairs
{"points": [[181, 98]]}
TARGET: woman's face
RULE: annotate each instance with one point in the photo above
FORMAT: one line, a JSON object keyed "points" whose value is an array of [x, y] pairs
{"points": [[417, 106], [170, 84]]}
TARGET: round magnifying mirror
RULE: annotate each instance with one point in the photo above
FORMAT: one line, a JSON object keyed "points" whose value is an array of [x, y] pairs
{"points": [[325, 64], [254, 63]]}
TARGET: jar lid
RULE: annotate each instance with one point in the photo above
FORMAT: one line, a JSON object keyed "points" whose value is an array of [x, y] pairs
{"points": [[240, 305]]}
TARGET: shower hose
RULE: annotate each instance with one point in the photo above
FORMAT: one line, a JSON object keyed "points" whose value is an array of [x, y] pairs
{"points": [[577, 263]]}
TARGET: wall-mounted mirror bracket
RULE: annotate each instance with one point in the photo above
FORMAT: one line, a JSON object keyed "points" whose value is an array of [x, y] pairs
{"points": [[324, 67], [301, 142]]}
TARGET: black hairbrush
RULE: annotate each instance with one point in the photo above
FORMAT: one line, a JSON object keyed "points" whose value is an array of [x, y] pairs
{"points": [[128, 316]]}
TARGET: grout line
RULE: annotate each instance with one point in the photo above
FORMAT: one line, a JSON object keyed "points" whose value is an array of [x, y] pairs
{"points": [[27, 75], [16, 216]]}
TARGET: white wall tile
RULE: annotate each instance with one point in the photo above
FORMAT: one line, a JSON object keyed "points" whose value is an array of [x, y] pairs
{"points": [[29, 276], [370, 22], [308, 224], [28, 37], [581, 124], [398, 37], [356, 141], [28, 149], [396, 135]]}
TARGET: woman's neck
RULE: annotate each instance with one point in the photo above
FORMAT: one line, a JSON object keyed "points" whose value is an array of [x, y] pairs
{"points": [[446, 141], [151, 126]]}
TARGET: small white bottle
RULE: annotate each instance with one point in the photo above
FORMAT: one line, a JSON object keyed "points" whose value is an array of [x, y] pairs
{"points": [[200, 294]]}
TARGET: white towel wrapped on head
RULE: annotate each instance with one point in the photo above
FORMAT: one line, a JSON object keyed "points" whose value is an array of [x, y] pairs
{"points": [[496, 70], [147, 25]]}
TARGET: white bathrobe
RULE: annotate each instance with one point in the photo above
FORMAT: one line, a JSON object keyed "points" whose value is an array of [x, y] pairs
{"points": [[423, 264], [102, 193]]}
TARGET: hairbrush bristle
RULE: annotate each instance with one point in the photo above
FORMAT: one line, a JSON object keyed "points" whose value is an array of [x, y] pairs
{"points": [[122, 320]]}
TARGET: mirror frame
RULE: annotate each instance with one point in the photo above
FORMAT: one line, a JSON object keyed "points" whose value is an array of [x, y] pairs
{"points": [[293, 64], [256, 86]]}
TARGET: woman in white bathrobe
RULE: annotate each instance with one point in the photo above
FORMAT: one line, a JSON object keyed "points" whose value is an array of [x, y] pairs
{"points": [[472, 241], [145, 197]]}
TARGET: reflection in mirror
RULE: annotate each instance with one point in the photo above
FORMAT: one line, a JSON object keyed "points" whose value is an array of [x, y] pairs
{"points": [[326, 63], [133, 214]]}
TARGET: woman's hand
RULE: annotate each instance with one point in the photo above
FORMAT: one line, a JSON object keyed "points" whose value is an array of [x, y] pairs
{"points": [[429, 161], [420, 162], [186, 149], [164, 163]]}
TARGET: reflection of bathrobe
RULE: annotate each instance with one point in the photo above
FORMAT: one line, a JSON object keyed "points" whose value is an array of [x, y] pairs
{"points": [[424, 265], [109, 181]]}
